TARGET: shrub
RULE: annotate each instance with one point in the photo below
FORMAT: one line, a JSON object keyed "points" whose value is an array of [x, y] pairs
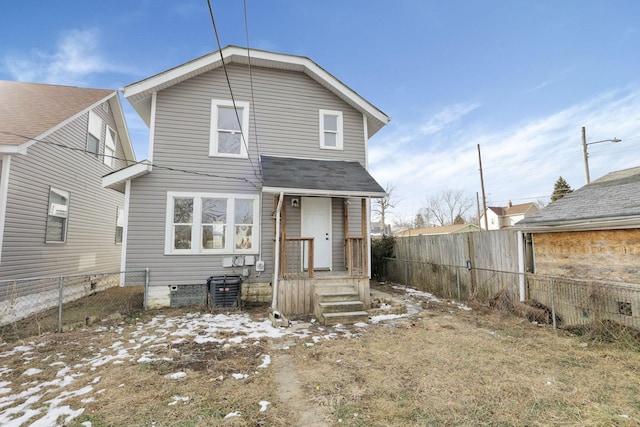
{"points": [[380, 249]]}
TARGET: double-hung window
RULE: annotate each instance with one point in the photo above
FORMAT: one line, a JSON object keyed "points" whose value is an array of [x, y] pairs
{"points": [[93, 134], [119, 224], [58, 216], [110, 146], [229, 128], [201, 223], [331, 130]]}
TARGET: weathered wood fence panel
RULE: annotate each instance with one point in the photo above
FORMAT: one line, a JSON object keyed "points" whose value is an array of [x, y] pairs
{"points": [[462, 266]]}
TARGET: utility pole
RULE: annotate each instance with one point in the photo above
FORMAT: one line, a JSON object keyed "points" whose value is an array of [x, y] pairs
{"points": [[478, 204], [484, 198], [585, 155]]}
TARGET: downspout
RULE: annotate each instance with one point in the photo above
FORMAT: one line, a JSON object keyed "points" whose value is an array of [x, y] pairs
{"points": [[276, 264], [521, 265]]}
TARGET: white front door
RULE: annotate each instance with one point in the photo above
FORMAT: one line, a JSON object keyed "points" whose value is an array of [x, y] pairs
{"points": [[316, 223]]}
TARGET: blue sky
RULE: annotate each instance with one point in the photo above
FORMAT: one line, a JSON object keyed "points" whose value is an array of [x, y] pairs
{"points": [[520, 78]]}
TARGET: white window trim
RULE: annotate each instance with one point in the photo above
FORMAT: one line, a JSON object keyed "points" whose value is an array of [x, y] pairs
{"points": [[196, 231], [339, 133], [119, 220], [213, 135], [66, 223], [95, 131], [108, 160]]}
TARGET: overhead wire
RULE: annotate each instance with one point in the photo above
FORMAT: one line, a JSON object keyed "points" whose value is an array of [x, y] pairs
{"points": [[253, 99], [131, 162], [226, 73]]}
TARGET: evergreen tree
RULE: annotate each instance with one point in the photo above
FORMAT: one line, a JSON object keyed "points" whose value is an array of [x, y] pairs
{"points": [[560, 189]]}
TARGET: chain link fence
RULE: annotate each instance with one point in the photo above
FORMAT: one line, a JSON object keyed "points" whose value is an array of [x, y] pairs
{"points": [[36, 305], [610, 308]]}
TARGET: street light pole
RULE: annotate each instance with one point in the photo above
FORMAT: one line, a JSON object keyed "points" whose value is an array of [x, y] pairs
{"points": [[585, 154]]}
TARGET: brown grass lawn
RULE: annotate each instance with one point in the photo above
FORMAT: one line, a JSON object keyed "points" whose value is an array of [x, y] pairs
{"points": [[443, 366]]}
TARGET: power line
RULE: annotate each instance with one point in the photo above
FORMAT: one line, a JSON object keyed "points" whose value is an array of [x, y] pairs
{"points": [[131, 162], [224, 66], [253, 100]]}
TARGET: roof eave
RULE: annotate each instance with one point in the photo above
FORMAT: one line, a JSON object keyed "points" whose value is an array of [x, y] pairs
{"points": [[581, 225], [115, 180], [326, 193], [139, 94]]}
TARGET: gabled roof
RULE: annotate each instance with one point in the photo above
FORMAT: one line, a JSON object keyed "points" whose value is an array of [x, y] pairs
{"points": [[139, 94], [520, 209], [611, 202], [31, 111], [317, 177], [447, 229]]}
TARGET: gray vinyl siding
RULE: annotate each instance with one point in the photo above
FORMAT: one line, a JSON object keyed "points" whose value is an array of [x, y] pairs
{"points": [[90, 241], [283, 121]]}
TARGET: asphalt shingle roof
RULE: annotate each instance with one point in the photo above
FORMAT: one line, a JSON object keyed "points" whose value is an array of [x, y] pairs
{"points": [[30, 109], [329, 176], [615, 196]]}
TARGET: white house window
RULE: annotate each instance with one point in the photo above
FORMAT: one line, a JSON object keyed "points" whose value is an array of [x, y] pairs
{"points": [[58, 216], [331, 130], [201, 223], [119, 224], [110, 146], [229, 128], [94, 133]]}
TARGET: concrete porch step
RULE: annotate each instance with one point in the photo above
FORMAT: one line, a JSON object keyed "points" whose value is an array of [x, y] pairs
{"points": [[340, 306], [328, 294], [345, 318]]}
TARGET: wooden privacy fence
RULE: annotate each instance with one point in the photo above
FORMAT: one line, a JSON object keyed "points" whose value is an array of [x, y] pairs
{"points": [[463, 266]]}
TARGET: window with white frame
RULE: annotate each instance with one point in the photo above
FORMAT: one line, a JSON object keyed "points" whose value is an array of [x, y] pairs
{"points": [[119, 224], [201, 223], [229, 128], [110, 146], [331, 130], [94, 132], [58, 216]]}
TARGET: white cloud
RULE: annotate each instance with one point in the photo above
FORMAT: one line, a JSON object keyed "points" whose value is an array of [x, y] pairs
{"points": [[520, 161], [77, 57]]}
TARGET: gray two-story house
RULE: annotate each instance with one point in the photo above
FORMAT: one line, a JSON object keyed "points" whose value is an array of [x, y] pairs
{"points": [[56, 143], [258, 169]]}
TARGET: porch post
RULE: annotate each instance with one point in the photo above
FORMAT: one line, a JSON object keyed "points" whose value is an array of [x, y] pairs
{"points": [[365, 236], [276, 254]]}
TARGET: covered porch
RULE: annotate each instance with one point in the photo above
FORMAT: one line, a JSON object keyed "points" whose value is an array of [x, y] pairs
{"points": [[321, 232]]}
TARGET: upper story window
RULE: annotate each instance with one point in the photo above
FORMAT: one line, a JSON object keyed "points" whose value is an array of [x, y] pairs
{"points": [[229, 128], [201, 223], [58, 216], [331, 130], [110, 146], [94, 133]]}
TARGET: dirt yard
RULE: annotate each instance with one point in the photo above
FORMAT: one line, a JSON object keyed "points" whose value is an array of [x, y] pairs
{"points": [[443, 365]]}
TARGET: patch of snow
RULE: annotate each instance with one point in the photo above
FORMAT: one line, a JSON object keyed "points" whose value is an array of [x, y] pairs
{"points": [[32, 371], [176, 399], [240, 376], [263, 405], [266, 361], [176, 376], [232, 414]]}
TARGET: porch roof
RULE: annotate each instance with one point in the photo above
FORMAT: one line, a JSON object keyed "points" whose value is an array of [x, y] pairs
{"points": [[317, 178]]}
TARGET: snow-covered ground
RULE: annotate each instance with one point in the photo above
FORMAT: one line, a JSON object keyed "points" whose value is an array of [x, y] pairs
{"points": [[39, 401]]}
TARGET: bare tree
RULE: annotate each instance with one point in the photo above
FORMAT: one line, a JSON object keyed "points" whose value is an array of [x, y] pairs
{"points": [[382, 207], [447, 205]]}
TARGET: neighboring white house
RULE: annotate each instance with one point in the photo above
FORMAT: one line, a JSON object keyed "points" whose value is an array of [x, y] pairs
{"points": [[505, 217]]}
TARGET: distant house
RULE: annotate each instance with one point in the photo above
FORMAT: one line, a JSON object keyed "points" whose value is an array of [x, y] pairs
{"points": [[378, 229], [505, 217], [431, 231], [259, 170], [56, 143]]}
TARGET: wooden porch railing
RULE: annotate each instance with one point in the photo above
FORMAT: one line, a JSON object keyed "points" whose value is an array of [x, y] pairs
{"points": [[293, 254], [357, 256]]}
